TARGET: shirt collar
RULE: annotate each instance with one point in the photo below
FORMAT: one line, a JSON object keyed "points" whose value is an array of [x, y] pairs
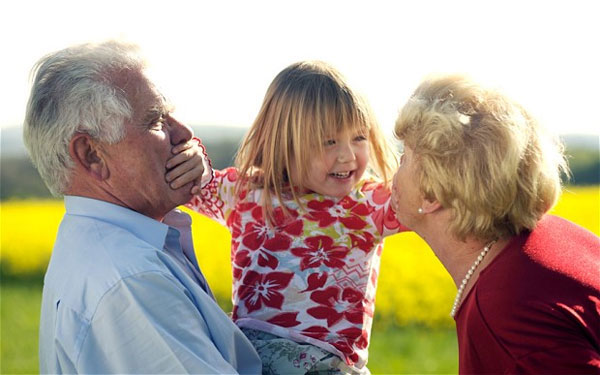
{"points": [[143, 227]]}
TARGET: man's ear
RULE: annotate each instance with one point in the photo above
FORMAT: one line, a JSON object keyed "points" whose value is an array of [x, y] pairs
{"points": [[430, 205], [85, 153]]}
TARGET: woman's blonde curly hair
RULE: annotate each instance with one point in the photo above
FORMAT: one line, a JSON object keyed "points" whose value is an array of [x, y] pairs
{"points": [[481, 155]]}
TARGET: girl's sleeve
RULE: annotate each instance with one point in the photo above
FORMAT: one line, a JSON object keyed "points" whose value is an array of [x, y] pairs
{"points": [[384, 217], [217, 198]]}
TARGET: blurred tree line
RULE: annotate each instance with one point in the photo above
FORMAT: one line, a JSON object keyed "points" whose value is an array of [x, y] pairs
{"points": [[19, 179], [585, 166]]}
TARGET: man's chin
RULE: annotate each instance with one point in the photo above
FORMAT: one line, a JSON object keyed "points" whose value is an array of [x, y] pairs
{"points": [[181, 195]]}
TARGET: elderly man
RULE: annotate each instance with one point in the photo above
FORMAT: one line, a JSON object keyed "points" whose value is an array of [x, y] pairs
{"points": [[123, 292]]}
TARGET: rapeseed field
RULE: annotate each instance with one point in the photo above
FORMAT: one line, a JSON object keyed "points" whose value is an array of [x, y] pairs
{"points": [[413, 287]]}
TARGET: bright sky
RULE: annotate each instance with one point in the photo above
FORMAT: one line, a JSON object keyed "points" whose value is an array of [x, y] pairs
{"points": [[215, 59]]}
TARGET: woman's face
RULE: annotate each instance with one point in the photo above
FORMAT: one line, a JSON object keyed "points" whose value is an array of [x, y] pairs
{"points": [[406, 196]]}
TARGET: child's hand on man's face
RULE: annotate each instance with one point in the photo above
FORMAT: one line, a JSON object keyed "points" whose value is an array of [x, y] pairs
{"points": [[189, 164]]}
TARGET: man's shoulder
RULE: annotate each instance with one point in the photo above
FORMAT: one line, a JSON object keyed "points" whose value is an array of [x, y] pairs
{"points": [[91, 256], [92, 241]]}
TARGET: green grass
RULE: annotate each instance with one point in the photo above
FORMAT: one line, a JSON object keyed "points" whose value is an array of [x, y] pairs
{"points": [[19, 319], [393, 350], [413, 350]]}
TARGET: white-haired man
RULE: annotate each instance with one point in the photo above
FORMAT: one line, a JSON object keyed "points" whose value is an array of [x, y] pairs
{"points": [[123, 292]]}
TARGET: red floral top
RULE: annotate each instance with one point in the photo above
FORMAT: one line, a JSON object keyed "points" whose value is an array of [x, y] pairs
{"points": [[312, 277]]}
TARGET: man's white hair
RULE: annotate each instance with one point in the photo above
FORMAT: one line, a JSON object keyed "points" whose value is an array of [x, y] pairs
{"points": [[74, 90]]}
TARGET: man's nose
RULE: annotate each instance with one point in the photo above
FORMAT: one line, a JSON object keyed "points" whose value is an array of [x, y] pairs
{"points": [[180, 133]]}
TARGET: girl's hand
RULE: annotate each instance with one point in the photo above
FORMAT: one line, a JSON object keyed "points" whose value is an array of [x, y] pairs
{"points": [[189, 164]]}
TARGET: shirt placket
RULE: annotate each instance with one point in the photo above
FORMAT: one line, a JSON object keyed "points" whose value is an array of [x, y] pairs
{"points": [[173, 247]]}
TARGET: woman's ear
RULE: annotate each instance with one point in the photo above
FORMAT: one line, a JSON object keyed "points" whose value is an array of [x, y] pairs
{"points": [[430, 205], [85, 153]]}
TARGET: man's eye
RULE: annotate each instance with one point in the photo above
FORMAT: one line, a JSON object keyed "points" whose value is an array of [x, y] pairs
{"points": [[159, 123]]}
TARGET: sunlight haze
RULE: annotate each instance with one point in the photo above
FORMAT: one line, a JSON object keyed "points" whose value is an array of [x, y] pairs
{"points": [[216, 59]]}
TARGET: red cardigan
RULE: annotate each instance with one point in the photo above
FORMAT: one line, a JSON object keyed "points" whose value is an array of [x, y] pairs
{"points": [[536, 307]]}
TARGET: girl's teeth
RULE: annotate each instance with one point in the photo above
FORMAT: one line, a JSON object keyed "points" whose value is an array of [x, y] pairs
{"points": [[341, 175]]}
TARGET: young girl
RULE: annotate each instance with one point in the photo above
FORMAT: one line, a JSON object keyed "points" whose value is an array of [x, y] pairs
{"points": [[308, 208]]}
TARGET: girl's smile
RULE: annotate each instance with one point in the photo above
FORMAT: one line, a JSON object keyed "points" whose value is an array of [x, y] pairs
{"points": [[341, 175]]}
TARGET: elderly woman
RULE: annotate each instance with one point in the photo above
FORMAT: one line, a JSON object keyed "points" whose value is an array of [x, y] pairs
{"points": [[477, 177]]}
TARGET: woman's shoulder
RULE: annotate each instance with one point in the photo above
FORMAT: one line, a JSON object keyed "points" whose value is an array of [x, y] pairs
{"points": [[556, 232], [556, 249]]}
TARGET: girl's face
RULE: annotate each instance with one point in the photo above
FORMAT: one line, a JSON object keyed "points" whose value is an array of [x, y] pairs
{"points": [[345, 158]]}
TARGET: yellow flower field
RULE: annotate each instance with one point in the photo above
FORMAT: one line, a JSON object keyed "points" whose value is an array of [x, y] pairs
{"points": [[413, 286]]}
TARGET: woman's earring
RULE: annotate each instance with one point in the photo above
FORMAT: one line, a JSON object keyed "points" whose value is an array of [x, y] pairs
{"points": [[420, 210]]}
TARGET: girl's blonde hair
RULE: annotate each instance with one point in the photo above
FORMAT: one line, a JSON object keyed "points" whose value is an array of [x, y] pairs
{"points": [[481, 155], [305, 104]]}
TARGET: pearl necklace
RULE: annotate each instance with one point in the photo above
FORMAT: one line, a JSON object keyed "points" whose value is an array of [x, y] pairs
{"points": [[470, 272]]}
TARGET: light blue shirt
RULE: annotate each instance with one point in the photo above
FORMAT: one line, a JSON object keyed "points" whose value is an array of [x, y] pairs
{"points": [[123, 294]]}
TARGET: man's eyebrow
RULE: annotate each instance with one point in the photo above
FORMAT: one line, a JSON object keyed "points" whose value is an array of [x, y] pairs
{"points": [[153, 113], [158, 110]]}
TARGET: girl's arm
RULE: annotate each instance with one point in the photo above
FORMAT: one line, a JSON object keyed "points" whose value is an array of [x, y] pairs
{"points": [[217, 200], [384, 217]]}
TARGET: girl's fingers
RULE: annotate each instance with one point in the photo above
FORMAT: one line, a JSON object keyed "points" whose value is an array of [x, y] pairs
{"points": [[180, 170], [192, 169], [185, 178], [182, 157], [186, 165], [183, 146]]}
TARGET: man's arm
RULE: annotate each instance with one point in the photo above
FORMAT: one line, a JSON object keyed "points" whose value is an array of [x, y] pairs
{"points": [[149, 323]]}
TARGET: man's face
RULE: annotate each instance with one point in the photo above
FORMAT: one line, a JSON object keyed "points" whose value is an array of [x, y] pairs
{"points": [[137, 163]]}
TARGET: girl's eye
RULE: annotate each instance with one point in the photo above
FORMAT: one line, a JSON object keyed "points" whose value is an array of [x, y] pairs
{"points": [[360, 138], [330, 142]]}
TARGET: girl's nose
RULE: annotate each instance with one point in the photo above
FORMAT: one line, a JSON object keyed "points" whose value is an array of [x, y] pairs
{"points": [[345, 153]]}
